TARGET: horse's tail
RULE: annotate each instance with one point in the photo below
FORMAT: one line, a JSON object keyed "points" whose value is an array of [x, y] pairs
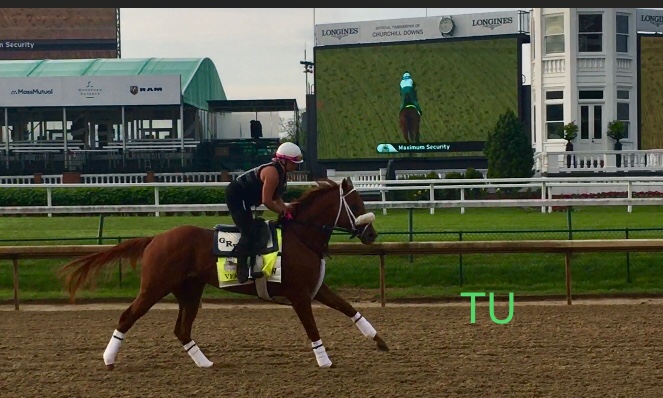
{"points": [[79, 271]]}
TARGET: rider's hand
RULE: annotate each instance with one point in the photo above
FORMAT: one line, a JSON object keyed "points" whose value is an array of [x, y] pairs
{"points": [[287, 212]]}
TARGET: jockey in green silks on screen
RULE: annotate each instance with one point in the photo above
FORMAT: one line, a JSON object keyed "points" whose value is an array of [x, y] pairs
{"points": [[409, 92]]}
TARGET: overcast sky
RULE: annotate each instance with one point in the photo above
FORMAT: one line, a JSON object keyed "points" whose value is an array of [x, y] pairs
{"points": [[256, 51]]}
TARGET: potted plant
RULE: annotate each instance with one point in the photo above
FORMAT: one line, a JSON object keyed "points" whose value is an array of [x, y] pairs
{"points": [[569, 133], [617, 131]]}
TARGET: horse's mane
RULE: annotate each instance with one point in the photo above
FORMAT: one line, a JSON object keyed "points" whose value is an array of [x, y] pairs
{"points": [[324, 185]]}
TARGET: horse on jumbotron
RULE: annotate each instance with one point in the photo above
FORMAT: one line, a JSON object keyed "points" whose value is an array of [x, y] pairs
{"points": [[409, 119], [181, 261]]}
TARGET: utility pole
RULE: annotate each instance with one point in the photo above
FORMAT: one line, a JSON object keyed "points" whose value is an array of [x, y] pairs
{"points": [[308, 68]]}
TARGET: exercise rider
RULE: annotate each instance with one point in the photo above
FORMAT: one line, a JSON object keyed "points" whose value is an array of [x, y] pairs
{"points": [[265, 185]]}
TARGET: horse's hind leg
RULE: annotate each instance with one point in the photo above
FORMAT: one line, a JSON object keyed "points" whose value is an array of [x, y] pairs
{"points": [[188, 295], [143, 302], [302, 306], [332, 300]]}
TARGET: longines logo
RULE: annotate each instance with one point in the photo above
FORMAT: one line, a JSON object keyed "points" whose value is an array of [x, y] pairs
{"points": [[340, 33], [653, 19], [492, 23]]}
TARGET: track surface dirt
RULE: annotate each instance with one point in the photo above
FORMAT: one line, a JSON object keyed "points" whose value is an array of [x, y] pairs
{"points": [[590, 349]]}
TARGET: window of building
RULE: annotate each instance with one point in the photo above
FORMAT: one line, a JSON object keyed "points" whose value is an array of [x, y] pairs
{"points": [[554, 114], [624, 109], [590, 94], [622, 33], [590, 33], [553, 39], [591, 114]]}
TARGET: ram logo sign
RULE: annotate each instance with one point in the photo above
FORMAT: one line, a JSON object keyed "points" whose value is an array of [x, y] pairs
{"points": [[135, 89]]}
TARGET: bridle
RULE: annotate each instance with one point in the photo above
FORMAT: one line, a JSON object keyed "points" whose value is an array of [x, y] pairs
{"points": [[363, 221], [358, 225]]}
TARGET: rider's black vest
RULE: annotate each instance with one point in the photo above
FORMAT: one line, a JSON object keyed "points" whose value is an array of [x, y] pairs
{"points": [[252, 184]]}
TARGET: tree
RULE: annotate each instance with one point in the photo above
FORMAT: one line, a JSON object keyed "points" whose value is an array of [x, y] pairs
{"points": [[509, 153], [290, 127]]}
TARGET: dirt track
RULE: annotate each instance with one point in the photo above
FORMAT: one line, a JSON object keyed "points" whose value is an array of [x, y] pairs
{"points": [[585, 350]]}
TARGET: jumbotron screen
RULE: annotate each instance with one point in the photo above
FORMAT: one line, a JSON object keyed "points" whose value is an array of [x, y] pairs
{"points": [[58, 33], [461, 86], [651, 92]]}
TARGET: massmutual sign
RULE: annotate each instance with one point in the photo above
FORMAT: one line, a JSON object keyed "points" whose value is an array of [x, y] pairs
{"points": [[424, 28]]}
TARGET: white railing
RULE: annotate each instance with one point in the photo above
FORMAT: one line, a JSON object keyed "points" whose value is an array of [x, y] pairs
{"points": [[113, 178], [598, 161], [374, 178], [546, 185]]}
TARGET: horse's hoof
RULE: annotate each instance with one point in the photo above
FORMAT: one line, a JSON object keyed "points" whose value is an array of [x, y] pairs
{"points": [[110, 366], [382, 346]]}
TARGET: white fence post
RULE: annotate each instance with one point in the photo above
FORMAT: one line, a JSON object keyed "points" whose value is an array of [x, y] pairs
{"points": [[629, 189], [432, 198], [49, 199], [383, 195], [156, 200]]}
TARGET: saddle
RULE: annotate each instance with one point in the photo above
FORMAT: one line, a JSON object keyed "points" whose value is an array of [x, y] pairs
{"points": [[263, 238]]}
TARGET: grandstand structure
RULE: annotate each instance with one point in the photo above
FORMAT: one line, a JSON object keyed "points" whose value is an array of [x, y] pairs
{"points": [[120, 116]]}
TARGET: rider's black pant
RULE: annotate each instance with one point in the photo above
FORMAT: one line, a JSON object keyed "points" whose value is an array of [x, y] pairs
{"points": [[242, 216]]}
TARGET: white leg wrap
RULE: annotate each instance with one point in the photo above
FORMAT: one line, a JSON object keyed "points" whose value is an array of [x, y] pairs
{"points": [[364, 326], [113, 347], [198, 357], [321, 354]]}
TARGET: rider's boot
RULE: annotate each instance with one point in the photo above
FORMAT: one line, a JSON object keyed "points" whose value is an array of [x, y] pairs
{"points": [[242, 268]]}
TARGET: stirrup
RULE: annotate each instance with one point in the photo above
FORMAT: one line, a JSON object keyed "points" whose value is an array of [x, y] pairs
{"points": [[253, 275]]}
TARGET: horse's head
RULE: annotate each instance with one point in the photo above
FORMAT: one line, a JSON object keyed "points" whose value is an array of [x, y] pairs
{"points": [[336, 207], [353, 217]]}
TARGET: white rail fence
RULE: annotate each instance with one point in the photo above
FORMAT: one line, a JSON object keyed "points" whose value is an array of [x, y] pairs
{"points": [[630, 185], [127, 178], [598, 161]]}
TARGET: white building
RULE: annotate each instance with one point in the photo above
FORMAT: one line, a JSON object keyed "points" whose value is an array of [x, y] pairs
{"points": [[585, 70]]}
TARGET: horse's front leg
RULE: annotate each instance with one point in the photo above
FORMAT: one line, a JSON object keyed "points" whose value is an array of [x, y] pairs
{"points": [[302, 306], [404, 130], [332, 300]]}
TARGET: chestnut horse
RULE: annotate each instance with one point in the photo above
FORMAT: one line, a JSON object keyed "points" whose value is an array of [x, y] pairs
{"points": [[181, 261], [409, 122]]}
